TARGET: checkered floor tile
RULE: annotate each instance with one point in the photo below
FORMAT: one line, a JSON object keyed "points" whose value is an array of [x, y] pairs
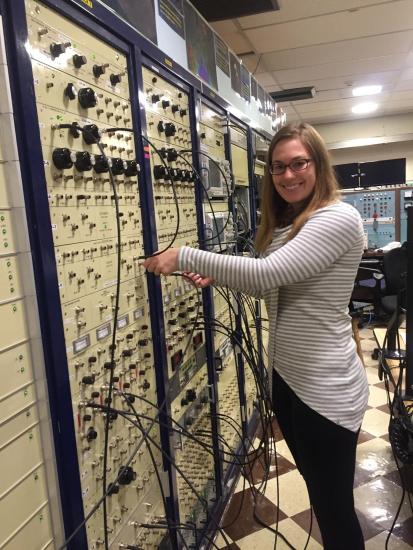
{"points": [[377, 488]]}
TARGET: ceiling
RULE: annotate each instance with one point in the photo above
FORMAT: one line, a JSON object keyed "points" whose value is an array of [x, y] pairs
{"points": [[334, 48]]}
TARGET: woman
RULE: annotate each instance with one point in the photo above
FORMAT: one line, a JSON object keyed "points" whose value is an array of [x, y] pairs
{"points": [[310, 245]]}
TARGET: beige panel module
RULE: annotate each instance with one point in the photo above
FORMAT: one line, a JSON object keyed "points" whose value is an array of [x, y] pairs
{"points": [[82, 81], [29, 505]]}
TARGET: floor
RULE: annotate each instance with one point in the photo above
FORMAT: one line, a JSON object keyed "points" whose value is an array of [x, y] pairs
{"points": [[377, 488]]}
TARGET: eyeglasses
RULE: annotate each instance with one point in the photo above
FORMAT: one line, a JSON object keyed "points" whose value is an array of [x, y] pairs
{"points": [[297, 165]]}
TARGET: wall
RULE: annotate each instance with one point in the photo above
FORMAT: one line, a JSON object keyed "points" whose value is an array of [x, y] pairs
{"points": [[371, 139]]}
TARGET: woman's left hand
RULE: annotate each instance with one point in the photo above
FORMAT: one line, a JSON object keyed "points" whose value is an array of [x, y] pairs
{"points": [[165, 263]]}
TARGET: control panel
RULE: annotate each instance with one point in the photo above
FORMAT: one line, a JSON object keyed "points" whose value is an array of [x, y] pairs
{"points": [[378, 211], [82, 97], [174, 180]]}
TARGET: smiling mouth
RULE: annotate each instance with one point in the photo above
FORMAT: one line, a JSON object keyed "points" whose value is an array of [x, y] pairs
{"points": [[291, 187]]}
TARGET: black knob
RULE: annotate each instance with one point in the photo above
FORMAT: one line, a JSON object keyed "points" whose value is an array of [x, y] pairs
{"points": [[94, 394], [132, 366], [91, 434], [70, 91], [127, 353], [182, 112], [98, 70], [79, 60], [115, 79], [155, 98], [91, 133], [175, 108], [132, 168], [112, 489], [83, 161], [118, 166], [146, 385], [170, 129], [172, 155], [143, 342], [62, 158], [203, 135], [163, 152], [57, 49], [87, 97], [184, 402], [126, 475], [92, 359], [126, 385], [165, 103], [191, 395], [87, 380], [101, 164], [160, 126], [159, 172], [87, 417], [172, 321], [75, 130]]}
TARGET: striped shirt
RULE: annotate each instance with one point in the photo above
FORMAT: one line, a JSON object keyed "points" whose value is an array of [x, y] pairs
{"points": [[306, 284]]}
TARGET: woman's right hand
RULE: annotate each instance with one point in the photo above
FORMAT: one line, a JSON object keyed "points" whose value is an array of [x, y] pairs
{"points": [[198, 280]]}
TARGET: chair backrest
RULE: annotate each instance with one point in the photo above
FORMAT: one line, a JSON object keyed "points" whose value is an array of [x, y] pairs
{"points": [[394, 266]]}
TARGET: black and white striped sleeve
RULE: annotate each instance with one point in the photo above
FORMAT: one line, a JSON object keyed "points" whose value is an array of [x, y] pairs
{"points": [[325, 237]]}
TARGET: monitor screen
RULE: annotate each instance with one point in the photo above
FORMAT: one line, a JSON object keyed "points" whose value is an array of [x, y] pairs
{"points": [[347, 175], [383, 172]]}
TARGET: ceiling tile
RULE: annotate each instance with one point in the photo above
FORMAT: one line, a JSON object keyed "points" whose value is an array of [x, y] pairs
{"points": [[297, 9], [370, 47], [335, 27]]}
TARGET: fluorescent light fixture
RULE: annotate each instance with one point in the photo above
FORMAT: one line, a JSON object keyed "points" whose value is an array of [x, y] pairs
{"points": [[364, 108], [367, 90]]}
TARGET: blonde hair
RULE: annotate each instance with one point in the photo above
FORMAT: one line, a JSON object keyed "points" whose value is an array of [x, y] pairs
{"points": [[326, 190]]}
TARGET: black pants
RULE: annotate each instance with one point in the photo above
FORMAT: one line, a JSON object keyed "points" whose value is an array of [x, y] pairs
{"points": [[325, 454]]}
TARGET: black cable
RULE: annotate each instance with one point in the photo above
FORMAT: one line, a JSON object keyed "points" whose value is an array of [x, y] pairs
{"points": [[170, 174]]}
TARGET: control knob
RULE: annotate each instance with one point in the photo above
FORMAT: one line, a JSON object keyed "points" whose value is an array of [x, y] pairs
{"points": [[101, 164], [132, 168], [98, 70], [84, 161], [79, 61], [57, 49], [170, 129], [91, 133], [87, 97], [62, 158], [70, 91], [118, 166]]}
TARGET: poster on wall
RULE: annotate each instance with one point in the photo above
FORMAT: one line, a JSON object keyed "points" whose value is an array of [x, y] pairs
{"points": [[245, 84], [254, 89], [235, 73], [141, 15], [200, 46], [171, 11], [261, 99], [222, 55]]}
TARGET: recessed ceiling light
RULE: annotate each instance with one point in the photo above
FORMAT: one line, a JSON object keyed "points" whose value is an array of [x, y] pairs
{"points": [[363, 108], [367, 90]]}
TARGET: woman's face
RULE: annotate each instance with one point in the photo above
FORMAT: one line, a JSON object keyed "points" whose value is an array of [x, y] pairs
{"points": [[296, 183]]}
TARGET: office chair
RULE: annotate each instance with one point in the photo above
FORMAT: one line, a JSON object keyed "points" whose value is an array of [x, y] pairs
{"points": [[393, 300]]}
